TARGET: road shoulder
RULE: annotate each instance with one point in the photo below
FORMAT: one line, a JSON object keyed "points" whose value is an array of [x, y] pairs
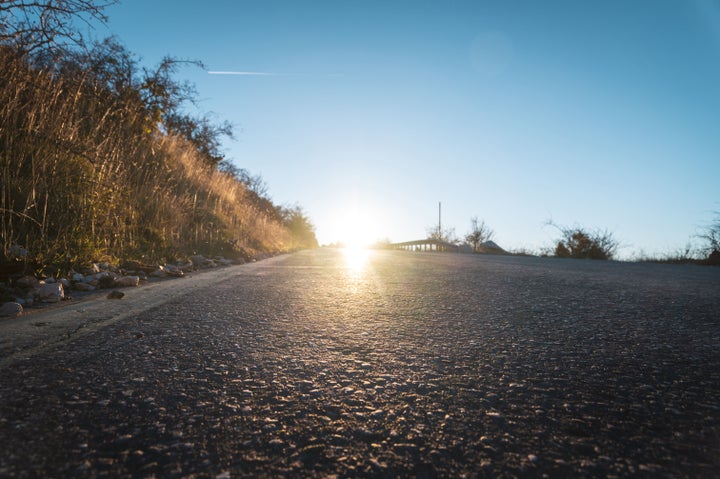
{"points": [[37, 330]]}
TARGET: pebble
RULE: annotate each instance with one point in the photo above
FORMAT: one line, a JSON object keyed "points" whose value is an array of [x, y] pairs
{"points": [[115, 295], [11, 309]]}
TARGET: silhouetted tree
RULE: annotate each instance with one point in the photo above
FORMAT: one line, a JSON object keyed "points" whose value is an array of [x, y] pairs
{"points": [[711, 236], [165, 98], [162, 93], [479, 233], [446, 234], [578, 243], [47, 24]]}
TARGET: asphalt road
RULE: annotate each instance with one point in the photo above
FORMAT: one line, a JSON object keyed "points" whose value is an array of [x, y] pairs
{"points": [[404, 365]]}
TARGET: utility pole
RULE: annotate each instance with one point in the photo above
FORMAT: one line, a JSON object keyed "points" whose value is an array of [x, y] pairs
{"points": [[440, 220]]}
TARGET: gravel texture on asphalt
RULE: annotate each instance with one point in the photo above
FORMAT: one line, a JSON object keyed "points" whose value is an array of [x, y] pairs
{"points": [[406, 365]]}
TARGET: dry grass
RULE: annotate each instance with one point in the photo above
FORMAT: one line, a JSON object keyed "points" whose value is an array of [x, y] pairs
{"points": [[86, 174]]}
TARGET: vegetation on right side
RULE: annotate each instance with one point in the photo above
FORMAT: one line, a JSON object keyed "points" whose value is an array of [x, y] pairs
{"points": [[711, 238], [580, 243]]}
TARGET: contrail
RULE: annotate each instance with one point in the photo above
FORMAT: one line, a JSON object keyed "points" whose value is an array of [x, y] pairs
{"points": [[247, 74], [270, 74]]}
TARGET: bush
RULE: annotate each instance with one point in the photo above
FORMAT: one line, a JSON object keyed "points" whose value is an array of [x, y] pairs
{"points": [[578, 243], [711, 237]]}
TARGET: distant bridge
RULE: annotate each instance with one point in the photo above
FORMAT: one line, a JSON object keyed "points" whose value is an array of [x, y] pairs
{"points": [[426, 245]]}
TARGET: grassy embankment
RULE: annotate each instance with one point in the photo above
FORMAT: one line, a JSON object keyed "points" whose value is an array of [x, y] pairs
{"points": [[87, 174]]}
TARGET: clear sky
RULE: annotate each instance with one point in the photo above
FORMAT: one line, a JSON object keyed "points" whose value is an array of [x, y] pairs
{"points": [[604, 114]]}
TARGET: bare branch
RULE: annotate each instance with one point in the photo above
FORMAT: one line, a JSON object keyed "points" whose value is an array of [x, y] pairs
{"points": [[479, 233], [48, 24], [577, 242]]}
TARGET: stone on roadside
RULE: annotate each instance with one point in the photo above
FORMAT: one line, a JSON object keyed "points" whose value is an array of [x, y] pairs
{"points": [[187, 267], [115, 295], [126, 281], [105, 266], [159, 273], [10, 309], [50, 293], [173, 270], [27, 282], [105, 280], [138, 266], [201, 261], [83, 287]]}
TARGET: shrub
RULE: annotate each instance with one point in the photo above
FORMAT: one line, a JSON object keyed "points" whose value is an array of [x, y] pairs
{"points": [[579, 243], [711, 237]]}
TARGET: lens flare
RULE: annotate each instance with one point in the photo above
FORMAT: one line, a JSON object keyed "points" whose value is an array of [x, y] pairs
{"points": [[356, 258]]}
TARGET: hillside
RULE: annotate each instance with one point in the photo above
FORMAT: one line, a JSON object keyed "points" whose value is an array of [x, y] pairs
{"points": [[99, 161]]}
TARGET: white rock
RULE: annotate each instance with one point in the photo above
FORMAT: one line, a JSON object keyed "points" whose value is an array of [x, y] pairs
{"points": [[50, 293], [125, 281], [10, 309]]}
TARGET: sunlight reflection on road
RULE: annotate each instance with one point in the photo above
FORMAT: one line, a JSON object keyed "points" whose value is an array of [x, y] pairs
{"points": [[356, 259]]}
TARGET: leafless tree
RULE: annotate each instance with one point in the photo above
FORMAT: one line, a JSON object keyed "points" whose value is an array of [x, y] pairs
{"points": [[711, 236], [446, 235], [479, 233], [577, 242], [32, 25]]}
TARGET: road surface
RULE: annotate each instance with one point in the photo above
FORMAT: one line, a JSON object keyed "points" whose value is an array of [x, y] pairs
{"points": [[393, 365]]}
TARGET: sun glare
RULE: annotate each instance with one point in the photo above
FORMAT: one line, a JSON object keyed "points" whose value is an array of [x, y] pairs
{"points": [[357, 228], [356, 258]]}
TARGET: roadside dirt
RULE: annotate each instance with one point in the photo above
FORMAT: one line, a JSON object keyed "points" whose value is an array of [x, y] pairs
{"points": [[39, 328]]}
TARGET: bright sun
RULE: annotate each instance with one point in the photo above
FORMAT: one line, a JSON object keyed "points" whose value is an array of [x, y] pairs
{"points": [[357, 229]]}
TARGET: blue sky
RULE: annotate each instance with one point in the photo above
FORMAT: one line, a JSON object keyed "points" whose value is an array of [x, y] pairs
{"points": [[600, 114]]}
